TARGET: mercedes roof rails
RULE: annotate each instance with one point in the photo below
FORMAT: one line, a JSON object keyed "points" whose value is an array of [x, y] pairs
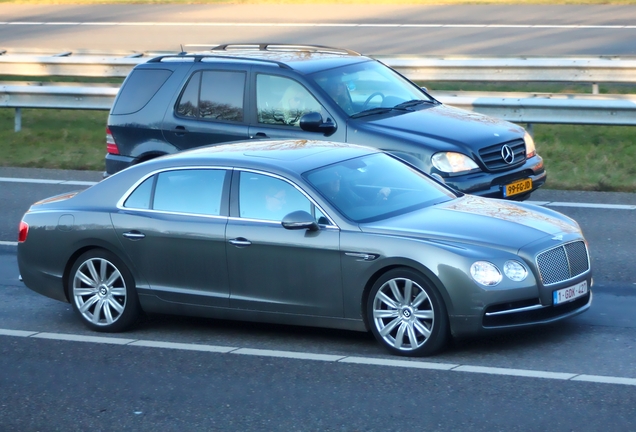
{"points": [[199, 57]]}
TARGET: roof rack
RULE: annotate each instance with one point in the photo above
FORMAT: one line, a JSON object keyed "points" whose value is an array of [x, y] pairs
{"points": [[283, 47], [199, 57]]}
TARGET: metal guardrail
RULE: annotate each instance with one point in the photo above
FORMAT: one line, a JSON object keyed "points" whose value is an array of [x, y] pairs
{"points": [[516, 107], [427, 68]]}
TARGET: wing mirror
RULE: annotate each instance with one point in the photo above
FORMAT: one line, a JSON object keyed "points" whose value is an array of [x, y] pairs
{"points": [[300, 220], [312, 122]]}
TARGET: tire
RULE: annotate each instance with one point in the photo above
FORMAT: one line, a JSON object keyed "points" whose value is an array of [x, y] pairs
{"points": [[102, 292], [406, 314]]}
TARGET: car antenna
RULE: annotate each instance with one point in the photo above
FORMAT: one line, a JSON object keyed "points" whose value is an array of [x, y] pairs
{"points": [[182, 50]]}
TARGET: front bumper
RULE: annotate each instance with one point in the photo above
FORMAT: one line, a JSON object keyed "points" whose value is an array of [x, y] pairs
{"points": [[492, 184]]}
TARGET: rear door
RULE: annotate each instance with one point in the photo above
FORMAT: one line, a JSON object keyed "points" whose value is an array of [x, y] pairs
{"points": [[173, 229], [210, 109]]}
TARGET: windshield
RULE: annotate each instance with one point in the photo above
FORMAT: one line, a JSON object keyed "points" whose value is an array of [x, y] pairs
{"points": [[370, 87], [376, 187]]}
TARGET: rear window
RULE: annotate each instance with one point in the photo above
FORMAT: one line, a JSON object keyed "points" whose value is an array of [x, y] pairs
{"points": [[140, 86]]}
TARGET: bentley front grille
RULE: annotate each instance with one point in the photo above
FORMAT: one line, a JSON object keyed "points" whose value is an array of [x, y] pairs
{"points": [[563, 262]]}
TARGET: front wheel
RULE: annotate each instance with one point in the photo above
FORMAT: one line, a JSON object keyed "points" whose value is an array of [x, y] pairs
{"points": [[102, 292], [406, 314]]}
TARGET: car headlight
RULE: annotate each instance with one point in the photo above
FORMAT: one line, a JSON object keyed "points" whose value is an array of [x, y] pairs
{"points": [[530, 148], [452, 162], [485, 273], [515, 271]]}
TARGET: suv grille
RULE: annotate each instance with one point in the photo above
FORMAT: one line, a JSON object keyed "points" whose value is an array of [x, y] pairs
{"points": [[493, 158], [563, 262]]}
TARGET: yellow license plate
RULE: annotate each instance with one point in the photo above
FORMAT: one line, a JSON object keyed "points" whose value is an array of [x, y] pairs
{"points": [[517, 187]]}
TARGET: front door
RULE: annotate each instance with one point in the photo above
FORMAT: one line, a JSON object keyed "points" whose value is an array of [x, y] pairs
{"points": [[273, 269]]}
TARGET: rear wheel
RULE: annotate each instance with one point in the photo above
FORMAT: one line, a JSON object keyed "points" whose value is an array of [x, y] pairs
{"points": [[102, 292], [406, 314]]}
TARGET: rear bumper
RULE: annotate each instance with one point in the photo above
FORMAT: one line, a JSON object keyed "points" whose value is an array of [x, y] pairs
{"points": [[116, 163]]}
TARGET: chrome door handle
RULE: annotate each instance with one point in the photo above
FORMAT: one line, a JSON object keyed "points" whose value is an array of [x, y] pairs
{"points": [[134, 235], [240, 242]]}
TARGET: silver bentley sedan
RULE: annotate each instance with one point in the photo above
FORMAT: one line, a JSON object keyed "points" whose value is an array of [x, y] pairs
{"points": [[306, 233]]}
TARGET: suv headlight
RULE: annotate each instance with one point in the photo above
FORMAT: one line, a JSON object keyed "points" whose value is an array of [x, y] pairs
{"points": [[530, 148], [485, 273], [452, 162]]}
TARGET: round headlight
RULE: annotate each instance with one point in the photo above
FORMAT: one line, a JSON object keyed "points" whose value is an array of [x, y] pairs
{"points": [[485, 273], [515, 271]]}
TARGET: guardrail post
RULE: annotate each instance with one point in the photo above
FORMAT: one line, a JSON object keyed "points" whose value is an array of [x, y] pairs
{"points": [[594, 88], [18, 120], [530, 129]]}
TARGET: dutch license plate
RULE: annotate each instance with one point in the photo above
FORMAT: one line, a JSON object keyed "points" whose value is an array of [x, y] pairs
{"points": [[517, 187], [568, 294]]}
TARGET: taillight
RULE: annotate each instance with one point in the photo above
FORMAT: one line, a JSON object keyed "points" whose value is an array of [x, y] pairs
{"points": [[23, 231], [111, 145]]}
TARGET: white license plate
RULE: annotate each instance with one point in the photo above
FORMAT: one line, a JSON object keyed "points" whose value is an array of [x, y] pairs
{"points": [[568, 294]]}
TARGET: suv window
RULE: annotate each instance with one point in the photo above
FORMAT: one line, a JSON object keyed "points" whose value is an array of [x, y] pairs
{"points": [[282, 101], [216, 95], [139, 88], [194, 191]]}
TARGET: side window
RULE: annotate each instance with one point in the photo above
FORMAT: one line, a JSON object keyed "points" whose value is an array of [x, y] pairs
{"points": [[282, 101], [216, 95], [140, 86], [268, 198], [140, 198], [196, 191]]}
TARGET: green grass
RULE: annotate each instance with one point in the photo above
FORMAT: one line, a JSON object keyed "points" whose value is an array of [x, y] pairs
{"points": [[65, 139], [599, 158]]}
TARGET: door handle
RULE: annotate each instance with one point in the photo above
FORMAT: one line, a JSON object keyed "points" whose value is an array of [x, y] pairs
{"points": [[180, 130], [240, 242], [134, 235], [260, 135]]}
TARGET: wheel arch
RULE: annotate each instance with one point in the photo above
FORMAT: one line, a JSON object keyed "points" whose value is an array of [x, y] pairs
{"points": [[410, 265], [86, 246]]}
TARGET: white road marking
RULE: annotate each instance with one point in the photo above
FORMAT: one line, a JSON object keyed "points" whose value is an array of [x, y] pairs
{"points": [[415, 364], [353, 24], [8, 243]]}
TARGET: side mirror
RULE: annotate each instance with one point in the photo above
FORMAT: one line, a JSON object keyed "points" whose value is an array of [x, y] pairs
{"points": [[299, 220], [312, 122]]}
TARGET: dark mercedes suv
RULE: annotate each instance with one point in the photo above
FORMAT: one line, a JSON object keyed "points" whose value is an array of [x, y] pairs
{"points": [[242, 92]]}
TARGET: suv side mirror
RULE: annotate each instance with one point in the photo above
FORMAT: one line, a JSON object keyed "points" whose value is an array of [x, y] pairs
{"points": [[299, 219], [312, 122]]}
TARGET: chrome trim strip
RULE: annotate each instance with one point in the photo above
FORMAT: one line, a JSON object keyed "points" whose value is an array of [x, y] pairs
{"points": [[519, 310]]}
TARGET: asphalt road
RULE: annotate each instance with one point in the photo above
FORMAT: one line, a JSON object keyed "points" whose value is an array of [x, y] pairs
{"points": [[57, 375], [488, 30]]}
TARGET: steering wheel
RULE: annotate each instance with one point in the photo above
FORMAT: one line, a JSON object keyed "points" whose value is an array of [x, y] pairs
{"points": [[366, 102]]}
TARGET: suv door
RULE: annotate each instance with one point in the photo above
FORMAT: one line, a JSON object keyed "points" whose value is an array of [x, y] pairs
{"points": [[280, 102], [210, 109]]}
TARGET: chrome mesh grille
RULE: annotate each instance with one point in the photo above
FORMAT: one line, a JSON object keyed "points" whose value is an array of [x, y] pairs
{"points": [[563, 262]]}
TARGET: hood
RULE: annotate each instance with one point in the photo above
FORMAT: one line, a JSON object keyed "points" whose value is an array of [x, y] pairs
{"points": [[446, 126], [477, 220]]}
